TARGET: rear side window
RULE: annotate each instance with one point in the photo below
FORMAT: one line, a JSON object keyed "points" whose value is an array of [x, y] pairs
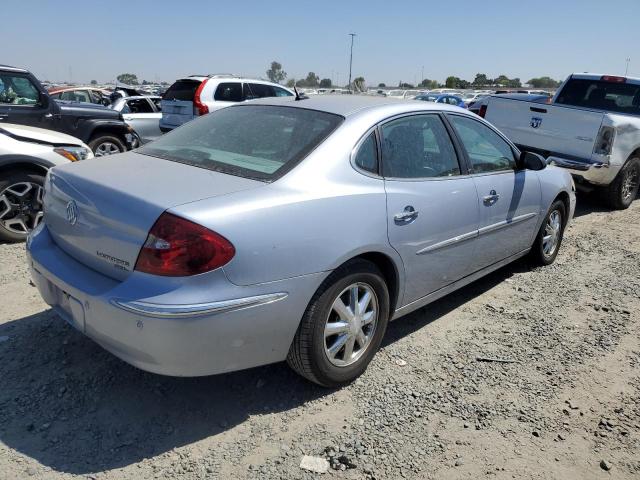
{"points": [[182, 90], [251, 141], [259, 90], [367, 155], [229, 92], [418, 147], [601, 95]]}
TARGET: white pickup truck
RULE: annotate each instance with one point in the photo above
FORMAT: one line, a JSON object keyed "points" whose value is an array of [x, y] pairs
{"points": [[591, 128]]}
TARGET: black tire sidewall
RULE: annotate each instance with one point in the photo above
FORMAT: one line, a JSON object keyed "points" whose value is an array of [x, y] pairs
{"points": [[95, 142], [633, 163], [327, 373], [539, 250], [7, 179]]}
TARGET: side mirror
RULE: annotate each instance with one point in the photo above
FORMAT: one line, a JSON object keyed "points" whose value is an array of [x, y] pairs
{"points": [[43, 100], [532, 161]]}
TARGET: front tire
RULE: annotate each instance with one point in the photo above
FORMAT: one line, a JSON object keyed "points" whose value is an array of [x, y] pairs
{"points": [[624, 188], [343, 326], [20, 204], [104, 145], [547, 244]]}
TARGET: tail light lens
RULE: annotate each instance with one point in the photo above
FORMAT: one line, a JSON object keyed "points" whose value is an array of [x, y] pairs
{"points": [[483, 110], [604, 142], [201, 108], [613, 79], [176, 247]]}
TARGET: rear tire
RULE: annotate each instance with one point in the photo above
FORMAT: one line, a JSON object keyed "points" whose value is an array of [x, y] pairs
{"points": [[20, 204], [312, 350], [620, 193], [104, 145], [547, 244]]}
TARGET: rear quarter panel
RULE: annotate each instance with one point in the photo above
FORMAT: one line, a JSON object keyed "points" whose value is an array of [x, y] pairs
{"points": [[311, 220]]}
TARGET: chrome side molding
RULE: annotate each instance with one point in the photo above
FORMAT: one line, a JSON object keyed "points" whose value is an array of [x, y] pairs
{"points": [[196, 309]]}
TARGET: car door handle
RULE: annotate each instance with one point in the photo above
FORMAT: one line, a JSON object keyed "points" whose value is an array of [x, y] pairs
{"points": [[127, 118], [48, 115], [492, 198], [409, 214]]}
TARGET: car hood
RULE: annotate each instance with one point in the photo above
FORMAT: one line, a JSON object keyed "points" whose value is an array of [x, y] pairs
{"points": [[38, 135], [81, 109]]}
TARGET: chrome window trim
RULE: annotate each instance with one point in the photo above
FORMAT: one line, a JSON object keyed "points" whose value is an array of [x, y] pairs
{"points": [[197, 309], [506, 223]]}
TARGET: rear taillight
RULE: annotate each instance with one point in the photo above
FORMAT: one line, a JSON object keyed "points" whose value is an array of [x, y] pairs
{"points": [[604, 142], [176, 247], [613, 79], [200, 107], [483, 110]]}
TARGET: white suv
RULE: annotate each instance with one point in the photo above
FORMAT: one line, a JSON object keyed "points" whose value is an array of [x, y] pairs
{"points": [[198, 95]]}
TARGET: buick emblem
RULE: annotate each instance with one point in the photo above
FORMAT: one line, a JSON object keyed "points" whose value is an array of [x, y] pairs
{"points": [[72, 212], [535, 122]]}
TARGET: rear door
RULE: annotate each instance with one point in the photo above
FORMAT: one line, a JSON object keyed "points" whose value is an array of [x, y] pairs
{"points": [[551, 128], [509, 198], [177, 103], [432, 205], [141, 115]]}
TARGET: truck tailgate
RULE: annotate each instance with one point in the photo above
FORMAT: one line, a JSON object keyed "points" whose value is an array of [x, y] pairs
{"points": [[552, 128]]}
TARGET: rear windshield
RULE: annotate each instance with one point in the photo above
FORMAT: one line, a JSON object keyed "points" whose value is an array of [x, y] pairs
{"points": [[253, 141], [601, 95], [182, 90]]}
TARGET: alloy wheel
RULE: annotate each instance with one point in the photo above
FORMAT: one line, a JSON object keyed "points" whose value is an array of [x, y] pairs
{"points": [[630, 183], [351, 324], [21, 207], [552, 231], [106, 148]]}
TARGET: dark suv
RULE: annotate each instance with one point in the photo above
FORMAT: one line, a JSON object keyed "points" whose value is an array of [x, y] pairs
{"points": [[23, 100]]}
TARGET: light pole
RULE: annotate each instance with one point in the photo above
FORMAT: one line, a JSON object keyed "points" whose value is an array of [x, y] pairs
{"points": [[351, 59], [626, 70]]}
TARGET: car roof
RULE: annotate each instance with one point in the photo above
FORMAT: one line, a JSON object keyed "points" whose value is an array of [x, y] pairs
{"points": [[346, 105], [13, 69]]}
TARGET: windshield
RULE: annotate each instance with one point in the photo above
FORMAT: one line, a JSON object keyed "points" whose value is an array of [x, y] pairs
{"points": [[396, 93], [252, 141], [427, 98], [469, 95], [601, 95]]}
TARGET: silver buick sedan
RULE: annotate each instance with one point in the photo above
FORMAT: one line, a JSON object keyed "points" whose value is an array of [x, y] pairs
{"points": [[288, 229]]}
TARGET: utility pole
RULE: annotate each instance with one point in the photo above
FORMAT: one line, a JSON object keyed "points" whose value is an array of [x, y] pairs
{"points": [[351, 59], [422, 77], [626, 70]]}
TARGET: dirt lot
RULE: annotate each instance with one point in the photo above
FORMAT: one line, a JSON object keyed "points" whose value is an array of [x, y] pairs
{"points": [[565, 406]]}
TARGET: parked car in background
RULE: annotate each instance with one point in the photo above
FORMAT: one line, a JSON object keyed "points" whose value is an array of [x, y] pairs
{"points": [[479, 106], [23, 100], [441, 98], [402, 94], [238, 264], [198, 95], [591, 129], [98, 96], [26, 154], [143, 114], [471, 97]]}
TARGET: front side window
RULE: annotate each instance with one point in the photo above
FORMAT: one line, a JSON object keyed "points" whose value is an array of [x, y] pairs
{"points": [[418, 147], [229, 92], [281, 92], [251, 141], [487, 150], [16, 90], [367, 155], [139, 105]]}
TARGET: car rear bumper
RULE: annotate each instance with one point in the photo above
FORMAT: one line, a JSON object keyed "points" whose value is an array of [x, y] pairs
{"points": [[598, 173], [168, 329]]}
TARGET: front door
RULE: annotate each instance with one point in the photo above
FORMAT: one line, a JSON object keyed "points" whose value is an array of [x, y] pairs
{"points": [[432, 206], [508, 197], [21, 103]]}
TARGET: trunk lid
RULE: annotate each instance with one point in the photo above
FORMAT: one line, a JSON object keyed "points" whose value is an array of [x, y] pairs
{"points": [[100, 211], [177, 103], [552, 128]]}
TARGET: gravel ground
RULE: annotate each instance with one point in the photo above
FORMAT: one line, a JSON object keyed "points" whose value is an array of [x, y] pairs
{"points": [[563, 402]]}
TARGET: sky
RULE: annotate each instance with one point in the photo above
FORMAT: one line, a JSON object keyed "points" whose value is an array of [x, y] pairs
{"points": [[163, 40]]}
